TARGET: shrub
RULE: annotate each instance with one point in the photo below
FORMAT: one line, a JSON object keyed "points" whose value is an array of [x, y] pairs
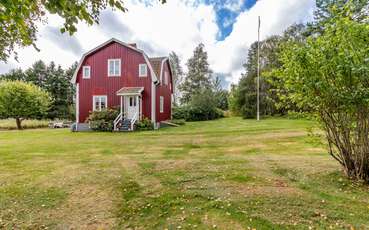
{"points": [[145, 124], [102, 120], [179, 112]]}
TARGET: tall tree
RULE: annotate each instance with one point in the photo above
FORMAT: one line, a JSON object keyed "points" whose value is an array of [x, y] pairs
{"points": [[199, 75], [37, 73], [19, 19], [177, 71]]}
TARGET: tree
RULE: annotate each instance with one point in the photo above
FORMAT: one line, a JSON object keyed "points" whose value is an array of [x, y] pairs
{"points": [[220, 95], [199, 75], [19, 19], [14, 75], [325, 12], [329, 74], [177, 71], [20, 100], [55, 81]]}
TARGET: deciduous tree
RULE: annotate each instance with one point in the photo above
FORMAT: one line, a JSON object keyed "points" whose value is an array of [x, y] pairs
{"points": [[20, 100]]}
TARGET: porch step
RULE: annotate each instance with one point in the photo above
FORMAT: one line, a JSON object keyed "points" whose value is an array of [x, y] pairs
{"points": [[125, 125]]}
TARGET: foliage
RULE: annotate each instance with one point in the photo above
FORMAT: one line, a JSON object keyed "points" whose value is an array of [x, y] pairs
{"points": [[199, 75], [20, 100], [102, 120], [55, 81], [220, 94], [202, 107], [145, 124], [177, 71], [330, 76], [19, 19], [325, 11]]}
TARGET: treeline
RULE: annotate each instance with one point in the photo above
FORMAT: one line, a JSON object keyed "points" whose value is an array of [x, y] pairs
{"points": [[273, 96], [55, 81]]}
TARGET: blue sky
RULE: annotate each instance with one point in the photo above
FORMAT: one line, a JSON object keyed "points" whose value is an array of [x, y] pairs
{"points": [[226, 14]]}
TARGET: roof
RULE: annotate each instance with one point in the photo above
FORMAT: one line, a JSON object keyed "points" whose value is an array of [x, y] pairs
{"points": [[153, 74], [130, 91], [156, 63]]}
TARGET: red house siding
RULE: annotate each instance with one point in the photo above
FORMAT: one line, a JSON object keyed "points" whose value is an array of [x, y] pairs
{"points": [[166, 92], [100, 84]]}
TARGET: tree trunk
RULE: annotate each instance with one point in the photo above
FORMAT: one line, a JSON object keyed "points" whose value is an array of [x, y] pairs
{"points": [[19, 123]]}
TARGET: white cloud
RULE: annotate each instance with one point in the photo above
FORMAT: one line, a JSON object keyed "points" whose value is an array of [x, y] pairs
{"points": [[176, 25]]}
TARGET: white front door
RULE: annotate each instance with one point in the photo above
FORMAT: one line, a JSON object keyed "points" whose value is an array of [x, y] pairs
{"points": [[132, 107]]}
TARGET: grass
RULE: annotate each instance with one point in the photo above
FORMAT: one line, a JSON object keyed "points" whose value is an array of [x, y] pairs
{"points": [[26, 124], [224, 174]]}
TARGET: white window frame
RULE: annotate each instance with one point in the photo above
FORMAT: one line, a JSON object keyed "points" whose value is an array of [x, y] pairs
{"points": [[142, 74], [89, 72], [119, 69], [161, 104], [99, 97]]}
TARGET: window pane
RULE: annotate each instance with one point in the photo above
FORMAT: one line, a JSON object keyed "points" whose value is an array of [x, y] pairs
{"points": [[97, 104], [130, 101], [116, 67], [111, 68]]}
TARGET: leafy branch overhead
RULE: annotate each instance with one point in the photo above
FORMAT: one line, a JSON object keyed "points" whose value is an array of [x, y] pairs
{"points": [[19, 19]]}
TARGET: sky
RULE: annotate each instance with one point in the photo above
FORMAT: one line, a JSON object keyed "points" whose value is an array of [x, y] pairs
{"points": [[227, 28]]}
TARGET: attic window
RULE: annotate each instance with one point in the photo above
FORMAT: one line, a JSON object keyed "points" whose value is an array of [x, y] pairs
{"points": [[142, 69], [86, 72]]}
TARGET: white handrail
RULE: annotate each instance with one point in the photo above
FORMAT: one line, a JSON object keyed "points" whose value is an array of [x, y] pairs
{"points": [[133, 121], [116, 121]]}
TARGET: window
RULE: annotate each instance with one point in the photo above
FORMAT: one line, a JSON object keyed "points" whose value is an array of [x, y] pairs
{"points": [[114, 67], [161, 104], [132, 101], [86, 72], [142, 70], [100, 103], [166, 77]]}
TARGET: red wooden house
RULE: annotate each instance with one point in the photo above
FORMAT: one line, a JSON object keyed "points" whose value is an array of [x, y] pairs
{"points": [[117, 74]]}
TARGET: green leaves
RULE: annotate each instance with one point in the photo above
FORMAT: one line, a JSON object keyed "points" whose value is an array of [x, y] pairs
{"points": [[22, 100]]}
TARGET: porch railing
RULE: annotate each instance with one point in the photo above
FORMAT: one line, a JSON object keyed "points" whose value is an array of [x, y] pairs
{"points": [[117, 120], [133, 121]]}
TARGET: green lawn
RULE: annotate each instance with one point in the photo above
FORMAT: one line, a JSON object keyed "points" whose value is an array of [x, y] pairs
{"points": [[225, 174]]}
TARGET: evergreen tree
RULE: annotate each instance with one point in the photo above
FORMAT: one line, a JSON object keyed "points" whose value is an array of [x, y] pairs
{"points": [[177, 71], [199, 76], [37, 73]]}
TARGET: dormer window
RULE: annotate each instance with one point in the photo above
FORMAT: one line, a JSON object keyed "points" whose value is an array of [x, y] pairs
{"points": [[114, 67], [142, 69], [86, 72]]}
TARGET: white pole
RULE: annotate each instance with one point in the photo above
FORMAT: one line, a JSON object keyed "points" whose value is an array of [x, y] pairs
{"points": [[258, 77]]}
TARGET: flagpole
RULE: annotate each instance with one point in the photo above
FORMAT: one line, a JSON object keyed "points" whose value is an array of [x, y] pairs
{"points": [[258, 77]]}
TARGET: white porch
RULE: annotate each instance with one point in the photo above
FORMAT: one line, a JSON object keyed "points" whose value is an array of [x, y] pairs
{"points": [[130, 108]]}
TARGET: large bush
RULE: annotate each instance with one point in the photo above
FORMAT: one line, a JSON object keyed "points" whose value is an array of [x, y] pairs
{"points": [[103, 120], [20, 100], [330, 76], [202, 107]]}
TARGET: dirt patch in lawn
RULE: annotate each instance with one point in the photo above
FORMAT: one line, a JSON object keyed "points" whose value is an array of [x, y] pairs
{"points": [[87, 207]]}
